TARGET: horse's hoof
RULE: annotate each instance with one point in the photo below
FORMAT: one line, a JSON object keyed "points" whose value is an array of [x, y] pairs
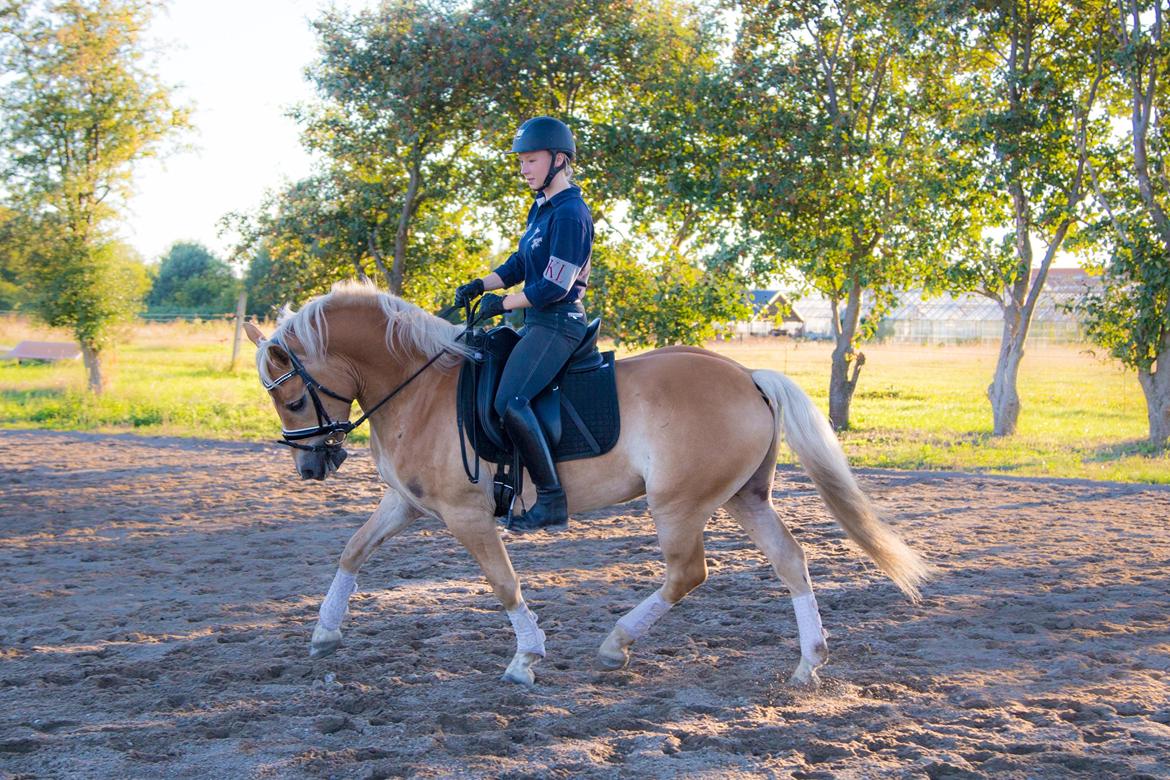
{"points": [[610, 663], [805, 677], [520, 670], [521, 676], [614, 652], [324, 642], [323, 649]]}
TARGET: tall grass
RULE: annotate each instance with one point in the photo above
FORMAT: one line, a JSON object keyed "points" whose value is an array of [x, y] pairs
{"points": [[916, 407]]}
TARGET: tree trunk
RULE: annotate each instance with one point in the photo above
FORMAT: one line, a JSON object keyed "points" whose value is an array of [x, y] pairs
{"points": [[358, 269], [401, 236], [841, 385], [372, 242], [1156, 386], [1005, 399], [92, 357]]}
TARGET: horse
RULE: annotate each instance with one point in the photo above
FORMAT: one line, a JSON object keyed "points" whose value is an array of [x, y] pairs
{"points": [[698, 432]]}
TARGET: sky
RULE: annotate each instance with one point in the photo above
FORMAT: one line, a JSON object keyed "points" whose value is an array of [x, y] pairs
{"points": [[239, 65]]}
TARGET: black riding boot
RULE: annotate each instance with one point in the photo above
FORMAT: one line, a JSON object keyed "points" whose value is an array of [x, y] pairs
{"points": [[550, 510]]}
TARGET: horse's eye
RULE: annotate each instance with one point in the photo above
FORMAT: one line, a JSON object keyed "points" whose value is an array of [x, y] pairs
{"points": [[296, 405]]}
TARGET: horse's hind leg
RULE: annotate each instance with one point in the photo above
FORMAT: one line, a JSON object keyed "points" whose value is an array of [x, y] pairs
{"points": [[680, 534], [752, 507]]}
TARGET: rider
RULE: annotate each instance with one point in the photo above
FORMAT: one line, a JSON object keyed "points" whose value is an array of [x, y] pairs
{"points": [[553, 263]]}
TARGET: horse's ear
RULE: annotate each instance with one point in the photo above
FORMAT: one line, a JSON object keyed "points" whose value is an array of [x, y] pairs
{"points": [[254, 333], [278, 356]]}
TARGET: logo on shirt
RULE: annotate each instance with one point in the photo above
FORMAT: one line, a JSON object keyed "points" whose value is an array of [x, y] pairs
{"points": [[536, 239], [561, 273]]}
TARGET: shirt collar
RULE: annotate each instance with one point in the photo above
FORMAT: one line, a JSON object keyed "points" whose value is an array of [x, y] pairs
{"points": [[569, 192]]}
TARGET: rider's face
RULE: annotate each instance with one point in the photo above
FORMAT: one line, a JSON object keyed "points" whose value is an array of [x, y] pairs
{"points": [[534, 167]]}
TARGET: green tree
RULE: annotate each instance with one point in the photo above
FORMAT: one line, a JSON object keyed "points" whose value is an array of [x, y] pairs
{"points": [[300, 241], [398, 91], [655, 303], [640, 86], [1130, 314], [79, 108], [264, 298], [11, 261], [1030, 84], [93, 297], [319, 230], [840, 167], [193, 280], [418, 162], [671, 157]]}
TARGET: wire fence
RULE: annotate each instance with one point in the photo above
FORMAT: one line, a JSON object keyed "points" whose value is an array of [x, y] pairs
{"points": [[161, 317]]}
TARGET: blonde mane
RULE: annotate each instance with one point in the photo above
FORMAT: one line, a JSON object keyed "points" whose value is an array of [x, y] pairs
{"points": [[407, 326]]}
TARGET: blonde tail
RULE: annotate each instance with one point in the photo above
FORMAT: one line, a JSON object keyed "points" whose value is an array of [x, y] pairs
{"points": [[808, 433]]}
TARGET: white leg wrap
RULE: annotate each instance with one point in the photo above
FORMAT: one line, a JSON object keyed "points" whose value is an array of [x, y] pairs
{"points": [[336, 602], [808, 623], [529, 637], [638, 620]]}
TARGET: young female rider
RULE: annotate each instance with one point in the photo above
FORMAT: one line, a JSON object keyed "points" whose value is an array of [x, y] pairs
{"points": [[553, 264]]}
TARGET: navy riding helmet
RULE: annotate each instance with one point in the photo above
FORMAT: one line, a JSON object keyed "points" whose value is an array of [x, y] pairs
{"points": [[543, 133]]}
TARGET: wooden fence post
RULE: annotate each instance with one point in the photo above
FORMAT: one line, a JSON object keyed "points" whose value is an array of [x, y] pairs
{"points": [[241, 306]]}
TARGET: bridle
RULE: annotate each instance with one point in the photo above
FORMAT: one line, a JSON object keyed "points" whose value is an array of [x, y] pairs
{"points": [[336, 431]]}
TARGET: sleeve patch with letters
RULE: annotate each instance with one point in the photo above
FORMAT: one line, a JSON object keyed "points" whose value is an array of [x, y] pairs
{"points": [[561, 273]]}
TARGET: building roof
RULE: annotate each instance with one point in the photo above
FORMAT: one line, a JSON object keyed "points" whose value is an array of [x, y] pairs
{"points": [[766, 303]]}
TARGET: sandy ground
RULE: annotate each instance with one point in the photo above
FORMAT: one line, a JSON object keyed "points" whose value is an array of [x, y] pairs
{"points": [[159, 595]]}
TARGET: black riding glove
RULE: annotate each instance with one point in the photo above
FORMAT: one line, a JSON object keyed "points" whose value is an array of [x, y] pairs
{"points": [[492, 305], [466, 293]]}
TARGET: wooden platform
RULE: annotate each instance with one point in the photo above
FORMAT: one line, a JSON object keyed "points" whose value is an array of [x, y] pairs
{"points": [[44, 350]]}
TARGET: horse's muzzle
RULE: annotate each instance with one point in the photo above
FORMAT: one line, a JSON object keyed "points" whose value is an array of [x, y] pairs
{"points": [[318, 465]]}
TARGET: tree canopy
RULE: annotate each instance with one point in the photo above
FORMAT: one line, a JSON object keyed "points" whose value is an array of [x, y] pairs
{"points": [[80, 106], [192, 280], [416, 109]]}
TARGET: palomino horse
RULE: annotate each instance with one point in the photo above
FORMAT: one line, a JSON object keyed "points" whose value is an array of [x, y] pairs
{"points": [[698, 432]]}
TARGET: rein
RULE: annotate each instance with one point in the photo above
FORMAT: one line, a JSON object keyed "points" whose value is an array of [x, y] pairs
{"points": [[336, 431]]}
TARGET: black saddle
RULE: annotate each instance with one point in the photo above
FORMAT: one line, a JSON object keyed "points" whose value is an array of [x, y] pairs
{"points": [[498, 345], [585, 388], [578, 410]]}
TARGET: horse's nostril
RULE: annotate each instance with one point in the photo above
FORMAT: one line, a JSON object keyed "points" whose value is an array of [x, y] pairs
{"points": [[313, 470]]}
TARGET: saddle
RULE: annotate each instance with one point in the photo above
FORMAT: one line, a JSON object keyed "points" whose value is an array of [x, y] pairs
{"points": [[578, 410]]}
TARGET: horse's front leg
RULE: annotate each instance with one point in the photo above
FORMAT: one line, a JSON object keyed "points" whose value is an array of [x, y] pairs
{"points": [[392, 515], [478, 533]]}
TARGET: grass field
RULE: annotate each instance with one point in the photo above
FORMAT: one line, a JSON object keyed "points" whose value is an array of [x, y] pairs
{"points": [[917, 407]]}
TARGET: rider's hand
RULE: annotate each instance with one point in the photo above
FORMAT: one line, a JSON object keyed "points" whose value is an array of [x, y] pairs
{"points": [[492, 305], [466, 293]]}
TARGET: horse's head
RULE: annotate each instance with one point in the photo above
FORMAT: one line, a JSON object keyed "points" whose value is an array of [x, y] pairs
{"points": [[312, 399], [382, 344]]}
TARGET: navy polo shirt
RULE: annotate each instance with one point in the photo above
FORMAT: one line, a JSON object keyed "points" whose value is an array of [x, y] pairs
{"points": [[555, 250]]}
